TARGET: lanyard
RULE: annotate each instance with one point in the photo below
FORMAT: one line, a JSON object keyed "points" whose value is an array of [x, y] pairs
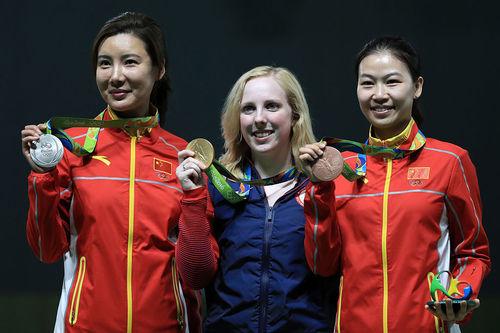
{"points": [[56, 126], [363, 150]]}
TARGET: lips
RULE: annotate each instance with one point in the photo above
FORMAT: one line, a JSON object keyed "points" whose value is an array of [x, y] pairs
{"points": [[381, 108], [118, 93], [261, 134]]}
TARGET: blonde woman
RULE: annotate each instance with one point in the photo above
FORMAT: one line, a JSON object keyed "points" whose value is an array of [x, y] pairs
{"points": [[249, 256]]}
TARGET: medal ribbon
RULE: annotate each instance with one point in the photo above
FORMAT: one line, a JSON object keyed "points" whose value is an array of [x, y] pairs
{"points": [[56, 125], [363, 149], [218, 175]]}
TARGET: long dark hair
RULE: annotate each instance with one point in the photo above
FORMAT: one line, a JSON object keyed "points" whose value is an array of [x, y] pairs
{"points": [[146, 29], [402, 50]]}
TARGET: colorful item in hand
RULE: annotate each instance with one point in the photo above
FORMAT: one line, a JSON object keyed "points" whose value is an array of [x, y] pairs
{"points": [[56, 125], [457, 290], [218, 174]]}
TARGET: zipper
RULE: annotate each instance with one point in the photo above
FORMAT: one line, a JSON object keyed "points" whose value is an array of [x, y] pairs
{"points": [[264, 278], [177, 297], [384, 246], [130, 241], [75, 300], [339, 305]]}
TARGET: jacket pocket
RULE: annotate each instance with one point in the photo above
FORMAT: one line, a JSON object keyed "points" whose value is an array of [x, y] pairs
{"points": [[77, 290]]}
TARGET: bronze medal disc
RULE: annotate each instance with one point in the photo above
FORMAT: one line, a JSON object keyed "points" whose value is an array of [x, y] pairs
{"points": [[203, 150], [329, 166]]}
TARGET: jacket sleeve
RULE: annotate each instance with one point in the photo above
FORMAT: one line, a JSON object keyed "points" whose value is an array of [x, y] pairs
{"points": [[322, 241], [47, 226], [470, 258], [197, 251]]}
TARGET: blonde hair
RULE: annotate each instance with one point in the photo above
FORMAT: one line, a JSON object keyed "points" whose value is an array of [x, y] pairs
{"points": [[236, 149]]}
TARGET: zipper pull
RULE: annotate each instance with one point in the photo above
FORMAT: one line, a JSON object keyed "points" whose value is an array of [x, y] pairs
{"points": [[270, 214]]}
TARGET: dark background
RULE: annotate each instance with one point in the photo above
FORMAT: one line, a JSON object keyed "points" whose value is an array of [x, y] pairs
{"points": [[46, 71]]}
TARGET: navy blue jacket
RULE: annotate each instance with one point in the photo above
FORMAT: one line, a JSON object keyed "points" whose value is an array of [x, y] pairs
{"points": [[263, 283]]}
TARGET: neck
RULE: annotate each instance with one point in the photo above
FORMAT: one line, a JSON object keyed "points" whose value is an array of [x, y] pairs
{"points": [[269, 165], [138, 113], [387, 133]]}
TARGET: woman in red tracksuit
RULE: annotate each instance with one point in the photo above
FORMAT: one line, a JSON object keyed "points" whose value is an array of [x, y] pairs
{"points": [[112, 215], [407, 217]]}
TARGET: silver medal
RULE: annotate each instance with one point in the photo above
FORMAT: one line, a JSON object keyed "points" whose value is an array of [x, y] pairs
{"points": [[48, 152]]}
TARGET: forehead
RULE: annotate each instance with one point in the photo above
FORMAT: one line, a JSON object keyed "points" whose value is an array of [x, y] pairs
{"points": [[123, 43], [382, 62], [263, 88]]}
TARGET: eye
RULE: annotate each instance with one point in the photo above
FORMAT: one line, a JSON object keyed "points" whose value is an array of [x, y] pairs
{"points": [[131, 62], [366, 83], [247, 109], [393, 82], [272, 106], [104, 63]]}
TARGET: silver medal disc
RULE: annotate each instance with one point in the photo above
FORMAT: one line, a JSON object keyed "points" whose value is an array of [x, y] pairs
{"points": [[48, 152]]}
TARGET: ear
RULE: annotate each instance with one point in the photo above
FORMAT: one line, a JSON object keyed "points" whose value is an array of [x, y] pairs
{"points": [[419, 85], [162, 72]]}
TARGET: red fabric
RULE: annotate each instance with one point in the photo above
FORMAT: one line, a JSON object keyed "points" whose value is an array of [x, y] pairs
{"points": [[197, 250], [324, 236], [83, 207], [450, 195]]}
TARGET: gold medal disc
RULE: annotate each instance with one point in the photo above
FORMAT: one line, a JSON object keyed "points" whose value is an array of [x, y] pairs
{"points": [[203, 150]]}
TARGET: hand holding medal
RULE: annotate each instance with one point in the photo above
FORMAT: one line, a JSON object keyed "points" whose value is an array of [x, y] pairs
{"points": [[42, 151], [326, 162]]}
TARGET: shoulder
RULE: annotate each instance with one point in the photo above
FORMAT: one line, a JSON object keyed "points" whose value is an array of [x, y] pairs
{"points": [[171, 139], [444, 149]]}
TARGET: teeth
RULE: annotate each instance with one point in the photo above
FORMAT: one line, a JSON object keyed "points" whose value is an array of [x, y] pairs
{"points": [[262, 134], [381, 109]]}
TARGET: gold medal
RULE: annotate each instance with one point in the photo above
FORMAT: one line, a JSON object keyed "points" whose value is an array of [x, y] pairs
{"points": [[203, 150]]}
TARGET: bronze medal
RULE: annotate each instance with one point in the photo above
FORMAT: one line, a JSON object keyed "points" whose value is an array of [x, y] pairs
{"points": [[329, 166]]}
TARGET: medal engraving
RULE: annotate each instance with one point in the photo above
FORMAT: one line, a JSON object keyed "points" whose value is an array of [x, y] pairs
{"points": [[329, 166], [203, 150], [48, 151]]}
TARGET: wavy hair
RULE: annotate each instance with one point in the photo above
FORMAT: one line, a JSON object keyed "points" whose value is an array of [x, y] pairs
{"points": [[236, 149]]}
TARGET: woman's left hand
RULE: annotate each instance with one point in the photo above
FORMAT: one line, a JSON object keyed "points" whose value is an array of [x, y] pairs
{"points": [[449, 315], [190, 171]]}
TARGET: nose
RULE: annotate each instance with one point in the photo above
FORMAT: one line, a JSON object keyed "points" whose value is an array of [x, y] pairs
{"points": [[380, 93], [260, 119], [117, 77]]}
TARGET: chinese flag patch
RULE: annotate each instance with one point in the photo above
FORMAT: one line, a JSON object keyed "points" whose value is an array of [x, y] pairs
{"points": [[419, 173], [162, 166]]}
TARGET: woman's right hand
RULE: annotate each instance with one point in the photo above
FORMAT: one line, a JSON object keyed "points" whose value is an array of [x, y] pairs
{"points": [[29, 134], [190, 171], [311, 153]]}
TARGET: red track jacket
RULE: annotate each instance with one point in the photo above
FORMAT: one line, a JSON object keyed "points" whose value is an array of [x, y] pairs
{"points": [[415, 215], [113, 217]]}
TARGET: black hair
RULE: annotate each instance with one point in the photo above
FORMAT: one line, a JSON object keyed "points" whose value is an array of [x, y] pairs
{"points": [[402, 50], [146, 29]]}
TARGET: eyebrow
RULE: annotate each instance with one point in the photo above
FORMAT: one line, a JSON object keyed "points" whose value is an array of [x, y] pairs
{"points": [[127, 55], [384, 77]]}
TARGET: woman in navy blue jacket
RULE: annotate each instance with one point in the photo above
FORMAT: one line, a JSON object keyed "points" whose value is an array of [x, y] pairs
{"points": [[249, 256]]}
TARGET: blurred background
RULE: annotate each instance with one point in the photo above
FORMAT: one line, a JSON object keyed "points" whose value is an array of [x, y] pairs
{"points": [[46, 71]]}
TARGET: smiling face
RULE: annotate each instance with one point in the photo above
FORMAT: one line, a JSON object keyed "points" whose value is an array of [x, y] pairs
{"points": [[266, 119], [386, 92], [125, 75]]}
